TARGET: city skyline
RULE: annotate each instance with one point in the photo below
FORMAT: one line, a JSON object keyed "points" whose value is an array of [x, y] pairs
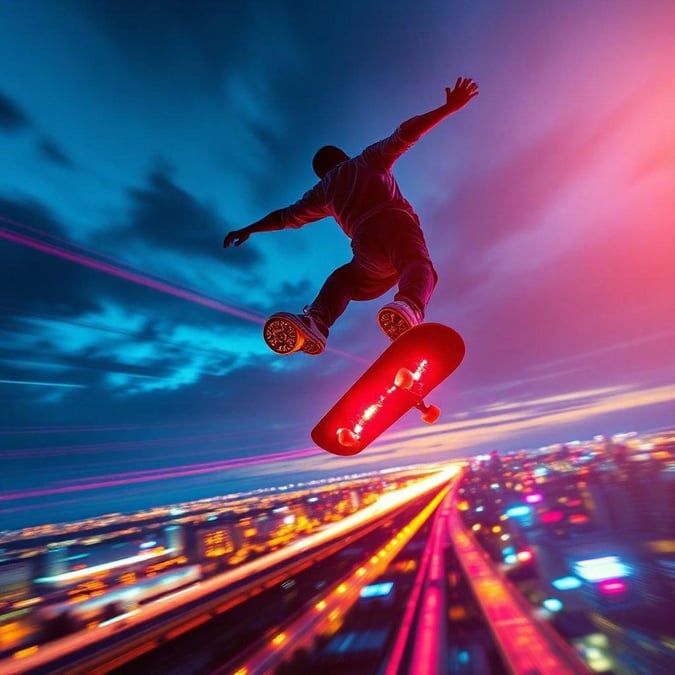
{"points": [[133, 369], [554, 523]]}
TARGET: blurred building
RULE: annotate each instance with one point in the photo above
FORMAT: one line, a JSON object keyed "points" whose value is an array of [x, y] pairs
{"points": [[56, 560], [15, 581], [217, 541], [638, 498], [174, 536]]}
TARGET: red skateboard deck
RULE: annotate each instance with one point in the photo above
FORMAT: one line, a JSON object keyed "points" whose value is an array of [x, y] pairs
{"points": [[397, 381]]}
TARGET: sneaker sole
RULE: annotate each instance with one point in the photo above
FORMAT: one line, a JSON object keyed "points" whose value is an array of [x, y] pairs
{"points": [[284, 334], [281, 336], [392, 323]]}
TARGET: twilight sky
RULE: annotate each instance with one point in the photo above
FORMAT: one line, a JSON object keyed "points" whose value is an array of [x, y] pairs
{"points": [[135, 135]]}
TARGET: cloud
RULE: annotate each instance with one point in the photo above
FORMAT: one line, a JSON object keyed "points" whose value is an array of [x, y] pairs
{"points": [[162, 215], [547, 401], [31, 280], [12, 117], [468, 436], [182, 47], [51, 151]]}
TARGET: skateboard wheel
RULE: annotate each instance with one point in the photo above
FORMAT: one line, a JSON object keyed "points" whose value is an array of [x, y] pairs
{"points": [[347, 438], [431, 414], [404, 378]]}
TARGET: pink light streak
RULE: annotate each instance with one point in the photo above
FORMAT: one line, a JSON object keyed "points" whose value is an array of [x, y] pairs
{"points": [[132, 477], [122, 446], [128, 275], [427, 652]]}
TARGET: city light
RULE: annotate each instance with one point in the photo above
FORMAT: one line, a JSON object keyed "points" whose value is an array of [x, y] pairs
{"points": [[552, 604], [106, 567], [119, 617], [509, 522], [377, 590], [612, 587], [518, 511], [551, 517], [279, 639], [601, 569], [566, 583]]}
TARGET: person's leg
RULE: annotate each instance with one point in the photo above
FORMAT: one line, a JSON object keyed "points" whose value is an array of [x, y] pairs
{"points": [[393, 243], [286, 333], [333, 297], [349, 282], [407, 250], [417, 283]]}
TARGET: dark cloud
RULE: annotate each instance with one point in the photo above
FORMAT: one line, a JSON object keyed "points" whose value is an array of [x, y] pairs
{"points": [[51, 151], [221, 403], [165, 216], [175, 41], [31, 279], [12, 117]]}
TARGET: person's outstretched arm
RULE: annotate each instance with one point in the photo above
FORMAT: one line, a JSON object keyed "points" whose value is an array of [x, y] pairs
{"points": [[457, 97], [269, 223], [310, 207], [384, 153]]}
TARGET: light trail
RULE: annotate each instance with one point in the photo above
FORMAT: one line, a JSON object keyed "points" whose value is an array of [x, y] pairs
{"points": [[116, 480], [70, 450], [283, 455], [89, 428], [44, 384], [96, 254], [128, 275], [41, 506]]}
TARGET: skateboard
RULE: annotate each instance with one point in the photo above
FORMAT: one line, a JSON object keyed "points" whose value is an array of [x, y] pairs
{"points": [[397, 381]]}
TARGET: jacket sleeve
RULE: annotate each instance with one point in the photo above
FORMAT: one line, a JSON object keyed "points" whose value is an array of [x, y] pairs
{"points": [[310, 207], [384, 153]]}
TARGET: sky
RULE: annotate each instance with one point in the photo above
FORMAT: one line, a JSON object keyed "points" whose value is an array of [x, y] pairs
{"points": [[135, 135]]}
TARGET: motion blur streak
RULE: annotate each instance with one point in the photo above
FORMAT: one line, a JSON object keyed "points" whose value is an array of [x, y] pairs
{"points": [[97, 483], [127, 275]]}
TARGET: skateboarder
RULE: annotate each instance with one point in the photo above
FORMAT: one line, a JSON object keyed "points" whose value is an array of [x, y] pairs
{"points": [[387, 242]]}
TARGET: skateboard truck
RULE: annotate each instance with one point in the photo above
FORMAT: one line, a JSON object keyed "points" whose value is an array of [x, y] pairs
{"points": [[406, 379]]}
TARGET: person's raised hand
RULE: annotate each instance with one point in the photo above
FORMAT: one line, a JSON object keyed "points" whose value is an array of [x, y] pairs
{"points": [[463, 91]]}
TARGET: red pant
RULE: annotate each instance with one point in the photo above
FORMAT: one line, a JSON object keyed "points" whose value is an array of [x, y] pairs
{"points": [[388, 249]]}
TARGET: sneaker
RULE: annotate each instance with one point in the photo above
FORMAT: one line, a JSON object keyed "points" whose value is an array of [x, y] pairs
{"points": [[286, 333], [397, 317]]}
